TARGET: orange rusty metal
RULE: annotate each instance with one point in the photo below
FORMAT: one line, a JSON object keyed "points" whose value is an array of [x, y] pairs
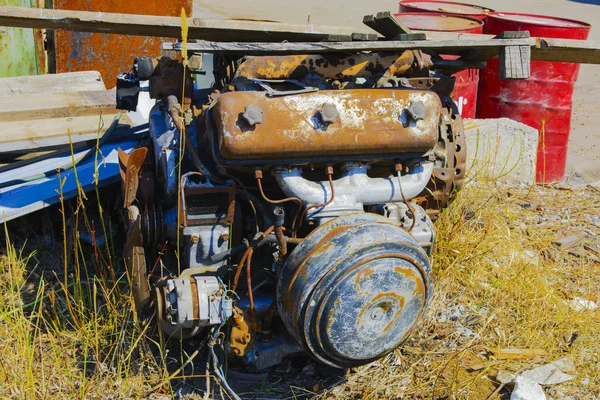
{"points": [[335, 66], [450, 170], [130, 166], [241, 336], [368, 124], [108, 53]]}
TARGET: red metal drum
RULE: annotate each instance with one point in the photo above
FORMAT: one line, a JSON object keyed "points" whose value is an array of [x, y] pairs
{"points": [[544, 101], [445, 7], [465, 88]]}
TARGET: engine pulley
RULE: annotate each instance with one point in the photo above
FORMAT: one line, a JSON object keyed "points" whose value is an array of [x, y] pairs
{"points": [[354, 289]]}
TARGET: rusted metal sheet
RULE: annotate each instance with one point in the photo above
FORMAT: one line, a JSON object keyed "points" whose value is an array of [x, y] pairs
{"points": [[18, 51], [108, 53], [335, 66], [354, 289], [365, 122]]}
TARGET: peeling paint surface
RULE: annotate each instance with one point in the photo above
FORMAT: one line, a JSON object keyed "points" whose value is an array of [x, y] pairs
{"points": [[17, 47], [354, 289], [332, 66]]}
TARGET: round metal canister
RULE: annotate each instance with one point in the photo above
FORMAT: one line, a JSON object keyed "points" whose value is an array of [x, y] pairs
{"points": [[465, 88], [446, 8], [354, 289], [544, 101]]}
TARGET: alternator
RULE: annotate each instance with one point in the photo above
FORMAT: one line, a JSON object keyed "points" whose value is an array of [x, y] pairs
{"points": [[193, 302]]}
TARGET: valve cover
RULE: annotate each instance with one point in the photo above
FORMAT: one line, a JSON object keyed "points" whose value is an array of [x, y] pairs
{"points": [[354, 289], [324, 124]]}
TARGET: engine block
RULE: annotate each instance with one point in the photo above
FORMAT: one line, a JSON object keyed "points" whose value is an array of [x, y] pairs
{"points": [[292, 199]]}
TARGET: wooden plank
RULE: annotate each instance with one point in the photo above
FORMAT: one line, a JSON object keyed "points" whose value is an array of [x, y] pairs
{"points": [[52, 83], [364, 36], [150, 25], [565, 50], [385, 24], [253, 31], [391, 24], [57, 105], [27, 135], [542, 49], [258, 48], [515, 62]]}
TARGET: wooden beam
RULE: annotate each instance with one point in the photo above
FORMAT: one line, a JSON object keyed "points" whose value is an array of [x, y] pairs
{"points": [[150, 25], [565, 50], [385, 24], [542, 49], [514, 61], [261, 48]]}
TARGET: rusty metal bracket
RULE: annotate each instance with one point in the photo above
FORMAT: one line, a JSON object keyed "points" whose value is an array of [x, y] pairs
{"points": [[130, 166]]}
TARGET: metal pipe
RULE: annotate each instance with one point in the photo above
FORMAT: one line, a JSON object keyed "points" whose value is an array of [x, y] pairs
{"points": [[354, 189]]}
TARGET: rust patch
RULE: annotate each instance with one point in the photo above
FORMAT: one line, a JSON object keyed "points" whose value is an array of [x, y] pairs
{"points": [[382, 296], [108, 53], [289, 303], [409, 273], [331, 66], [363, 273], [368, 124]]}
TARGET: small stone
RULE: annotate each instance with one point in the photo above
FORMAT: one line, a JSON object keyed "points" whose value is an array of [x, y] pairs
{"points": [[526, 389], [551, 374], [569, 241], [579, 304], [505, 377], [585, 381]]}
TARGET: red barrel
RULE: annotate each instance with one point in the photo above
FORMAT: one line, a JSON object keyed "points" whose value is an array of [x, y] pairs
{"points": [[445, 7], [465, 88], [544, 101]]}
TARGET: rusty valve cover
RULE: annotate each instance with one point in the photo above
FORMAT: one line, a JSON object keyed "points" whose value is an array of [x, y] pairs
{"points": [[354, 289], [353, 122]]}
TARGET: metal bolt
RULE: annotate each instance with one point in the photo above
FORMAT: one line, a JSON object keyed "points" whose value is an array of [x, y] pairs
{"points": [[328, 113], [253, 114]]}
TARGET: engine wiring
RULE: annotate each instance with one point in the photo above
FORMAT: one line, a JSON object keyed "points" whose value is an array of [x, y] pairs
{"points": [[328, 202], [258, 176], [214, 337]]}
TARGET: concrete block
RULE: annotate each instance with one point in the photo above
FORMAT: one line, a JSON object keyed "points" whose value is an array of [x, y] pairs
{"points": [[501, 149]]}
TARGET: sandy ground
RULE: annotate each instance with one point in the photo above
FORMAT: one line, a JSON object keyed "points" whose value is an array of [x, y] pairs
{"points": [[583, 161]]}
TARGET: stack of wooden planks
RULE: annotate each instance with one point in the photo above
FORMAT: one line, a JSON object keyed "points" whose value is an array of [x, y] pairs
{"points": [[41, 112]]}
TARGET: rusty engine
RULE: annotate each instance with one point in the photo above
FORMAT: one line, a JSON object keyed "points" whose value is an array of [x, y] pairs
{"points": [[291, 200]]}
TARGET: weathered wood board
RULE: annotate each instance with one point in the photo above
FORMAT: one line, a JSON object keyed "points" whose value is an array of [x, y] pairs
{"points": [[57, 105], [21, 136], [52, 83], [150, 25]]}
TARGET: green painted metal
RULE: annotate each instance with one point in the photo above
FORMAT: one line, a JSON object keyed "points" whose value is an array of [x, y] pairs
{"points": [[17, 47]]}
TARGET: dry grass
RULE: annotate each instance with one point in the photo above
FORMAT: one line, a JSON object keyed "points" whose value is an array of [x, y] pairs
{"points": [[500, 283]]}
